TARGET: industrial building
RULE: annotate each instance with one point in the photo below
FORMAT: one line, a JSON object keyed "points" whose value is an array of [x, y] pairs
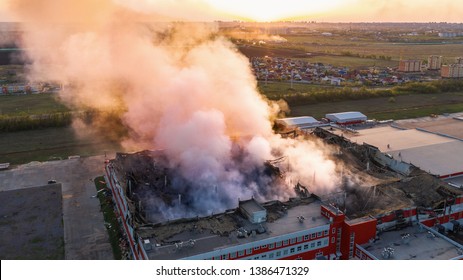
{"points": [[434, 62], [353, 222], [450, 34], [452, 71], [434, 144], [299, 122], [410, 65], [347, 118]]}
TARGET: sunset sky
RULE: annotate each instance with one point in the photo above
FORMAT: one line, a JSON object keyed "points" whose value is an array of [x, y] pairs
{"points": [[273, 10]]}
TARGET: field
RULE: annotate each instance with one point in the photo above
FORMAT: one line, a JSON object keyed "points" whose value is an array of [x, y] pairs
{"points": [[273, 90], [342, 49], [403, 106], [354, 52], [49, 144], [338, 44], [31, 104], [43, 144]]}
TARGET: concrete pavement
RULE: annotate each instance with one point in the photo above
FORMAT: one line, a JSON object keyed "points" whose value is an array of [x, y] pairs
{"points": [[85, 236]]}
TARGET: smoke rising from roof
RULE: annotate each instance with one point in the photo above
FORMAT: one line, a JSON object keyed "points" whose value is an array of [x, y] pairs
{"points": [[178, 86]]}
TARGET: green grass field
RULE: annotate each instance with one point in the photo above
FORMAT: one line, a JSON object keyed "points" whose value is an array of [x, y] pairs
{"points": [[405, 106], [49, 144], [31, 104], [275, 89]]}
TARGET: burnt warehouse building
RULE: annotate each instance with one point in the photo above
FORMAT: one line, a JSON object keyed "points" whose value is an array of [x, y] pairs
{"points": [[406, 217]]}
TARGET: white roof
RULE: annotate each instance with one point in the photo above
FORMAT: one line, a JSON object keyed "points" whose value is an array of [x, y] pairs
{"points": [[346, 116], [299, 121]]}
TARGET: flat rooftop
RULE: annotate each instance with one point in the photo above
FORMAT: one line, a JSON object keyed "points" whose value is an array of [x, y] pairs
{"points": [[299, 121], [397, 139], [251, 206], [206, 239], [422, 245], [433, 153], [449, 125], [455, 180]]}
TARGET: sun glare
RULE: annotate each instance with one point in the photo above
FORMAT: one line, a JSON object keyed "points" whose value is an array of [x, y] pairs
{"points": [[271, 10]]}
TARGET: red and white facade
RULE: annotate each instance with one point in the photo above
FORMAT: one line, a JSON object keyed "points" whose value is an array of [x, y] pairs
{"points": [[124, 215]]}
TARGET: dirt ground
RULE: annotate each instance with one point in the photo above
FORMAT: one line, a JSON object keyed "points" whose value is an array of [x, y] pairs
{"points": [[31, 223]]}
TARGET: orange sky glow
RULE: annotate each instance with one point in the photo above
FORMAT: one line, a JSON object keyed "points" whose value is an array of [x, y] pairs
{"points": [[275, 10]]}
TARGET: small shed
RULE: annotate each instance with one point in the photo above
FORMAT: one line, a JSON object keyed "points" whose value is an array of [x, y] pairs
{"points": [[299, 122], [253, 211]]}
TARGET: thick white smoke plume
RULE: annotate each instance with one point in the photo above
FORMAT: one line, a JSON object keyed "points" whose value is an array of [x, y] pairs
{"points": [[176, 86]]}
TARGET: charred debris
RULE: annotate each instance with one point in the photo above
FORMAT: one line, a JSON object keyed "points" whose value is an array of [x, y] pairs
{"points": [[153, 192]]}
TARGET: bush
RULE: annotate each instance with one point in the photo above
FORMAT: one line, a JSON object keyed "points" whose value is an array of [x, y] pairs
{"points": [[17, 123]]}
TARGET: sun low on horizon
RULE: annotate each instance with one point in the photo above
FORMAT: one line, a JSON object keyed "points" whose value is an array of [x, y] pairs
{"points": [[273, 10]]}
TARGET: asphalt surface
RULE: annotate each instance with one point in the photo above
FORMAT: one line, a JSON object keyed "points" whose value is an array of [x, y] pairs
{"points": [[31, 224], [85, 235]]}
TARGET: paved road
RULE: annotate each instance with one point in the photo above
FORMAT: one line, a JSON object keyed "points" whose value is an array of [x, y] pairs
{"points": [[85, 235]]}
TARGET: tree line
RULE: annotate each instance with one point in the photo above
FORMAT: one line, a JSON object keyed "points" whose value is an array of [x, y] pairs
{"points": [[17, 123], [318, 95]]}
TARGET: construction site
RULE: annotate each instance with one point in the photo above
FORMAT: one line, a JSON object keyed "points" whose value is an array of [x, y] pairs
{"points": [[159, 211]]}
